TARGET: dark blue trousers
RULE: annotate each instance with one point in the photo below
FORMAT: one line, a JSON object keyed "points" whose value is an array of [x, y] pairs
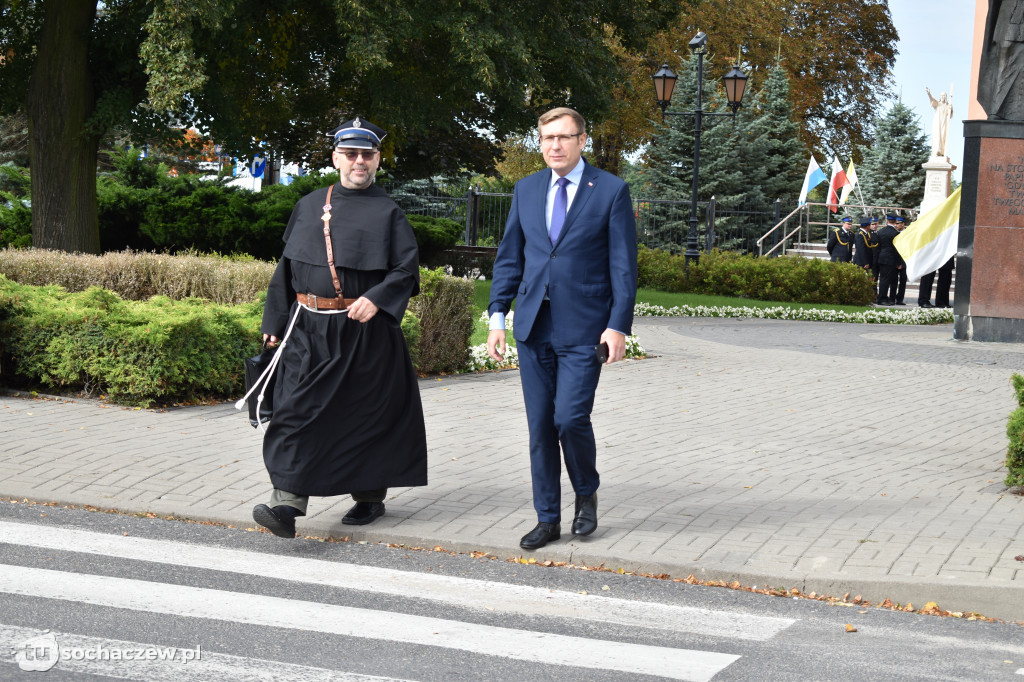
{"points": [[558, 388]]}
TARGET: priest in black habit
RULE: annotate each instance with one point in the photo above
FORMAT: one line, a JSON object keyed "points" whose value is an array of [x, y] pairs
{"points": [[347, 414]]}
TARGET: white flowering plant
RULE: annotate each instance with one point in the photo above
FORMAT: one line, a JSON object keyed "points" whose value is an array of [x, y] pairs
{"points": [[879, 316], [479, 360]]}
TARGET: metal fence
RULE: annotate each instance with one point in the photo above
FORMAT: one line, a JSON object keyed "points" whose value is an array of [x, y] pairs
{"points": [[661, 223]]}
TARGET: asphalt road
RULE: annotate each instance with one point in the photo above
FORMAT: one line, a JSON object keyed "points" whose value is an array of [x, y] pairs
{"points": [[245, 605]]}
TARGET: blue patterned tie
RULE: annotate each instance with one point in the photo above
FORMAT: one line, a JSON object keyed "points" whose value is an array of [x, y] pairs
{"points": [[558, 209]]}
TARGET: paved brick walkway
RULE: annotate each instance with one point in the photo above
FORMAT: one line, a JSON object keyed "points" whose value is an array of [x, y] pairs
{"points": [[828, 457]]}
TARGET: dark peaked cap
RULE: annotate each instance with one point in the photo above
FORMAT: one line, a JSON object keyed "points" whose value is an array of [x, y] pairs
{"points": [[357, 134]]}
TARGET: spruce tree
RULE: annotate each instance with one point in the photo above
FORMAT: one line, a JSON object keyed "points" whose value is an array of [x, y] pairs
{"points": [[667, 171], [785, 159], [754, 161], [890, 171]]}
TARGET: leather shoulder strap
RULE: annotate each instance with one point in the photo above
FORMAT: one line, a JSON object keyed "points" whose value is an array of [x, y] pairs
{"points": [[326, 217]]}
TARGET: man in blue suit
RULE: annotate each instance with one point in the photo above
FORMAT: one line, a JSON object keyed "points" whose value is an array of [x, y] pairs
{"points": [[568, 258]]}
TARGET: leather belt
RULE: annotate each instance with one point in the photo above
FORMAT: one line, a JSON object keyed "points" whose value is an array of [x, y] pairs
{"points": [[324, 303]]}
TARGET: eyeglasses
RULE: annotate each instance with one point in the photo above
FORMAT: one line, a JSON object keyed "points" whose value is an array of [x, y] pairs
{"points": [[562, 139], [367, 154]]}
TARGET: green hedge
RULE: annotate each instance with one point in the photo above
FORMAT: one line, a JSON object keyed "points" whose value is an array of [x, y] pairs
{"points": [[1015, 432], [159, 351], [136, 353], [434, 236], [142, 208], [165, 349], [138, 275], [787, 278], [446, 313]]}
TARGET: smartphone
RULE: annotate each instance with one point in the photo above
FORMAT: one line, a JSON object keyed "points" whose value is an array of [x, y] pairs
{"points": [[601, 352]]}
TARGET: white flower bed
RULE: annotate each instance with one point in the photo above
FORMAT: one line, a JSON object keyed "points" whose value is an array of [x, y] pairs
{"points": [[479, 360], [875, 316]]}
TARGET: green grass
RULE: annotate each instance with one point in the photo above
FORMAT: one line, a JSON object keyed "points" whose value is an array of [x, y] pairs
{"points": [[482, 295], [669, 300]]}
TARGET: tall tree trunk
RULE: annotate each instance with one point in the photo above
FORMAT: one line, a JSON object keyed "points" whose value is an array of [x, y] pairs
{"points": [[63, 153], [605, 153]]}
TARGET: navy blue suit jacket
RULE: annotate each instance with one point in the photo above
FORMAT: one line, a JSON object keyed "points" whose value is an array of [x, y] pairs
{"points": [[589, 274]]}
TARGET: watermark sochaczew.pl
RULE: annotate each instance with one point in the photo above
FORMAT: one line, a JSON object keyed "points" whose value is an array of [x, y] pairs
{"points": [[41, 653]]}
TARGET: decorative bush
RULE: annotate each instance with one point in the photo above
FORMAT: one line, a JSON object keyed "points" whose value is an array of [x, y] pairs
{"points": [[434, 236], [444, 307], [141, 353], [137, 353], [1015, 432], [139, 275], [726, 273]]}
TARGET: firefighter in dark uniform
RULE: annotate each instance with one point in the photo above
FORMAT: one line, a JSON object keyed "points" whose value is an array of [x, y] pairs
{"points": [[874, 266], [901, 269], [888, 261], [840, 242], [865, 255]]}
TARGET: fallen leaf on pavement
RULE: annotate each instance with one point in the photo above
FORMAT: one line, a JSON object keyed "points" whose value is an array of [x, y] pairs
{"points": [[850, 628]]}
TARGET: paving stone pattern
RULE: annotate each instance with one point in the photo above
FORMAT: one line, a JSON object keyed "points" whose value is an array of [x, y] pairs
{"points": [[824, 456]]}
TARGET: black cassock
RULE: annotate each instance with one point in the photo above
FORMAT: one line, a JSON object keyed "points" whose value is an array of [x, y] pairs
{"points": [[347, 412]]}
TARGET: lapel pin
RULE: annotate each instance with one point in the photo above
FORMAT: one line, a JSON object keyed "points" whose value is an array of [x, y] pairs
{"points": [[590, 184]]}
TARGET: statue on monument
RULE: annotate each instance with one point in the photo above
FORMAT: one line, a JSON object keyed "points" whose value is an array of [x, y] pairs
{"points": [[940, 122], [1001, 76]]}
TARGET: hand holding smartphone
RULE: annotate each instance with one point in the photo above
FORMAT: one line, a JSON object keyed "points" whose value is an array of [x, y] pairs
{"points": [[601, 352]]}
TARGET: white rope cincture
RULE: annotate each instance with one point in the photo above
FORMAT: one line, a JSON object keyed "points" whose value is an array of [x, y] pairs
{"points": [[264, 379]]}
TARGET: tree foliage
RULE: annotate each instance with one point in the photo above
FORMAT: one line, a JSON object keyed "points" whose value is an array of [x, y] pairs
{"points": [[890, 171], [448, 79], [831, 81], [750, 161]]}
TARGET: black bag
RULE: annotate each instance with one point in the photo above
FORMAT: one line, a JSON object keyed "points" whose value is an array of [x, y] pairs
{"points": [[254, 369]]}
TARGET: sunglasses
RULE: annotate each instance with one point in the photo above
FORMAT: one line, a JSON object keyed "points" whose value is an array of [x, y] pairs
{"points": [[367, 154]]}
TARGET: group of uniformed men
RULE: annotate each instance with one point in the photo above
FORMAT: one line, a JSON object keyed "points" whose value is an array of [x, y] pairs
{"points": [[872, 249]]}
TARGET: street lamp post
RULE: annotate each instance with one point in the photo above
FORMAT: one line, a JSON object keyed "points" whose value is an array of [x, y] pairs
{"points": [[664, 83]]}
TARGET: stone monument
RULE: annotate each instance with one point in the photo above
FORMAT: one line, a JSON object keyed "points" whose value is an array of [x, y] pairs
{"points": [[989, 305], [938, 169]]}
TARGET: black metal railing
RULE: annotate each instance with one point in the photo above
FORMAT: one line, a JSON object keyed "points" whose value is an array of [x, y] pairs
{"points": [[661, 223]]}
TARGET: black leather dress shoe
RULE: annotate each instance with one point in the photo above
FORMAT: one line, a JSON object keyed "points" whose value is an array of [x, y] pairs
{"points": [[541, 535], [280, 520], [585, 522], [363, 513], [925, 304]]}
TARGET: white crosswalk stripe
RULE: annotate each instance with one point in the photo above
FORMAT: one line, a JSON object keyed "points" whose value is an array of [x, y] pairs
{"points": [[260, 610], [198, 602], [457, 591], [207, 666]]}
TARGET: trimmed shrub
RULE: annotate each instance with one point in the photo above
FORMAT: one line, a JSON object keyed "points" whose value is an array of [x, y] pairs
{"points": [[105, 337], [434, 236], [444, 307], [1015, 432], [136, 353], [139, 275], [727, 273], [661, 270], [159, 351]]}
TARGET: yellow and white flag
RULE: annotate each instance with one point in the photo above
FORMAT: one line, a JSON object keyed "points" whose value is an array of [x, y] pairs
{"points": [[930, 241], [851, 182]]}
